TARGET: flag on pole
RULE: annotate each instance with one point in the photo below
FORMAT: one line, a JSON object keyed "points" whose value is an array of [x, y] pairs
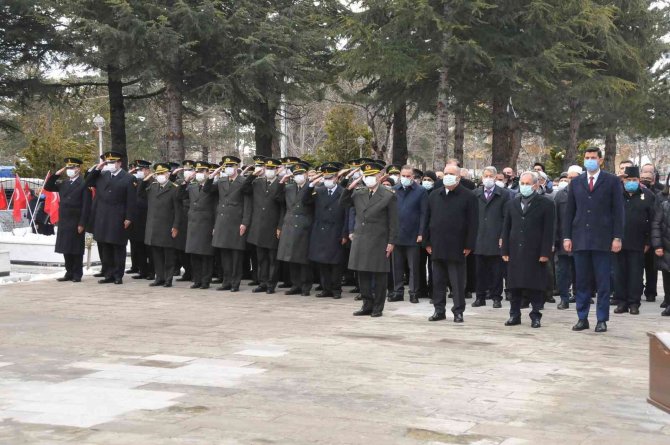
{"points": [[51, 205], [3, 199], [19, 199], [28, 195]]}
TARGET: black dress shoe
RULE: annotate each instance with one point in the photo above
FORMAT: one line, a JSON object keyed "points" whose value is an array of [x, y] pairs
{"points": [[324, 294], [225, 287], [513, 321], [497, 304], [664, 304], [413, 299], [205, 286], [365, 310], [285, 286], [167, 283], [131, 270], [376, 314], [581, 325], [601, 326], [156, 283], [355, 290], [270, 290], [292, 291], [634, 310], [550, 300], [572, 299], [394, 298], [563, 305], [183, 278], [358, 298], [666, 312], [337, 296], [478, 303], [437, 316], [259, 289], [99, 274], [76, 280], [65, 278], [458, 318], [235, 289], [138, 277], [306, 294], [106, 281], [621, 309], [195, 285], [118, 281], [535, 323]]}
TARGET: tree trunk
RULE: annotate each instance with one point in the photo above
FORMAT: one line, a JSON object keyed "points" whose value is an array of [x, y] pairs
{"points": [[442, 148], [515, 145], [459, 133], [400, 134], [500, 145], [610, 151], [265, 130], [575, 106], [175, 121], [117, 112], [205, 138]]}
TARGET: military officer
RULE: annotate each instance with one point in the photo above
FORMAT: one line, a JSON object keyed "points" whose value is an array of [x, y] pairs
{"points": [[233, 217], [183, 259], [294, 239], [139, 251], [73, 213], [374, 236], [266, 221], [163, 221], [250, 259], [115, 198]]}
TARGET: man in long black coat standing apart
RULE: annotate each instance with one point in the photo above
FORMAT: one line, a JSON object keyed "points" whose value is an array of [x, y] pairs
{"points": [[73, 213], [450, 238], [527, 242], [115, 206]]}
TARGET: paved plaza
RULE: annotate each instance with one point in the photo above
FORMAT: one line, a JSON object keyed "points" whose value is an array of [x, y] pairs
{"points": [[104, 364]]}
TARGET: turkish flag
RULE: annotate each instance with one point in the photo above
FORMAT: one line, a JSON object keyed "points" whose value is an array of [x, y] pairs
{"points": [[18, 199], [26, 189], [3, 198], [51, 205]]}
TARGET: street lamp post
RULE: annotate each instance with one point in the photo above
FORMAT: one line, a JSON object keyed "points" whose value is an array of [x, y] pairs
{"points": [[99, 122], [361, 142]]}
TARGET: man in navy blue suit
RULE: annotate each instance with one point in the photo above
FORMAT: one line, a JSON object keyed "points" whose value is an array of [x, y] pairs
{"points": [[593, 228]]}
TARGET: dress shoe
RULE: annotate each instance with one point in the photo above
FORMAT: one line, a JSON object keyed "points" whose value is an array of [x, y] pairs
{"points": [[205, 286], [305, 294], [292, 291], [581, 325], [337, 296], [437, 316], [497, 304], [572, 299], [65, 278], [183, 278], [358, 298], [458, 318], [365, 310], [601, 326], [195, 285], [259, 289], [319, 287], [235, 289], [151, 277], [634, 310], [650, 299], [664, 304], [118, 281], [413, 299], [621, 309], [355, 290], [76, 280], [106, 281], [394, 298], [156, 283], [138, 277], [285, 286], [478, 303], [535, 323], [513, 321], [324, 294], [99, 274], [563, 305], [225, 287], [131, 270], [550, 299], [168, 283], [376, 314], [666, 312], [270, 290]]}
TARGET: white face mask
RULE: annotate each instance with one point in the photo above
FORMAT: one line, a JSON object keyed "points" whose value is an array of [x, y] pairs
{"points": [[428, 185], [200, 177], [299, 179], [370, 181], [139, 174], [329, 183], [395, 178], [230, 171], [161, 179], [188, 174], [356, 175], [406, 182], [562, 185], [270, 174], [488, 182], [109, 168], [71, 172], [450, 180], [500, 184]]}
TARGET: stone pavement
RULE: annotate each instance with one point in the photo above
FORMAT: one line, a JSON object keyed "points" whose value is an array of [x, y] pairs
{"points": [[104, 364]]}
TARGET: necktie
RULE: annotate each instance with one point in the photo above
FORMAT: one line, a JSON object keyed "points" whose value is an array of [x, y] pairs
{"points": [[488, 194], [591, 184], [330, 193], [371, 193]]}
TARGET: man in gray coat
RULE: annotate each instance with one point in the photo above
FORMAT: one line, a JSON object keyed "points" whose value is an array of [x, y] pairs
{"points": [[294, 239], [163, 219], [374, 236], [233, 217]]}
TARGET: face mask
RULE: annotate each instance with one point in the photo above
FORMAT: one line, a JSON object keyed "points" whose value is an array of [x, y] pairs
{"points": [[139, 174], [500, 184], [631, 187], [387, 187], [299, 179], [562, 185], [591, 164], [370, 181], [200, 177], [406, 182], [230, 171], [329, 183], [270, 174], [449, 180], [428, 185], [526, 190], [395, 178], [646, 183], [71, 173], [488, 182], [356, 175], [161, 179], [188, 174], [109, 168]]}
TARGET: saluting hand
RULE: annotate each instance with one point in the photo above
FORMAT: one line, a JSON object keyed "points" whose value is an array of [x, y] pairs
{"points": [[354, 183], [351, 172], [100, 165], [149, 176], [215, 172], [60, 172]]}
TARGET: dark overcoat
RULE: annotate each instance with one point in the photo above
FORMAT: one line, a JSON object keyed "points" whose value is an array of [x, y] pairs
{"points": [[115, 198], [233, 210], [329, 226], [528, 235], [73, 211], [491, 215], [294, 239], [139, 226], [267, 211], [163, 213], [452, 223], [201, 218], [560, 202], [639, 212]]}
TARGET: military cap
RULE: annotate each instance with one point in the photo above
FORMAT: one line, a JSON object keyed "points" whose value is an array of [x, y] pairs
{"points": [[72, 162], [212, 166], [632, 172], [259, 160], [354, 163], [366, 161], [162, 167], [141, 163], [380, 161], [174, 165], [201, 164], [329, 168], [300, 167], [290, 160], [186, 163], [230, 160], [272, 163], [371, 168], [112, 156], [393, 169]]}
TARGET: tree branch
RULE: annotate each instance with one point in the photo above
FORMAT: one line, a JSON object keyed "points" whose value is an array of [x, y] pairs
{"points": [[145, 96]]}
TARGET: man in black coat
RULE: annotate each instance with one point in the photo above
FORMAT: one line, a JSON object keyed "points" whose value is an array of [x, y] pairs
{"points": [[565, 269], [450, 238], [267, 213], [491, 201], [527, 242], [115, 198], [140, 253], [629, 262], [329, 233], [73, 213], [187, 171], [163, 221]]}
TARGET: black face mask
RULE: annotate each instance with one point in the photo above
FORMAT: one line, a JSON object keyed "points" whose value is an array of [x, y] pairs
{"points": [[646, 183]]}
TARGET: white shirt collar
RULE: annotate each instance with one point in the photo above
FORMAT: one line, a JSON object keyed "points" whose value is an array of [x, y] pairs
{"points": [[595, 176]]}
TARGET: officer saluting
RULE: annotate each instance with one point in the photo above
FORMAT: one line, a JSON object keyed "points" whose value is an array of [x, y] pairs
{"points": [[140, 252], [115, 210], [73, 213], [163, 219]]}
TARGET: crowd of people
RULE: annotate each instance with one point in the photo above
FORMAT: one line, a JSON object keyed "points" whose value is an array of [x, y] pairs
{"points": [[588, 236]]}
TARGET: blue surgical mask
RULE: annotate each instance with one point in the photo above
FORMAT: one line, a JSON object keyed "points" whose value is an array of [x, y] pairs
{"points": [[526, 190], [428, 185], [631, 186], [591, 164], [406, 182]]}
